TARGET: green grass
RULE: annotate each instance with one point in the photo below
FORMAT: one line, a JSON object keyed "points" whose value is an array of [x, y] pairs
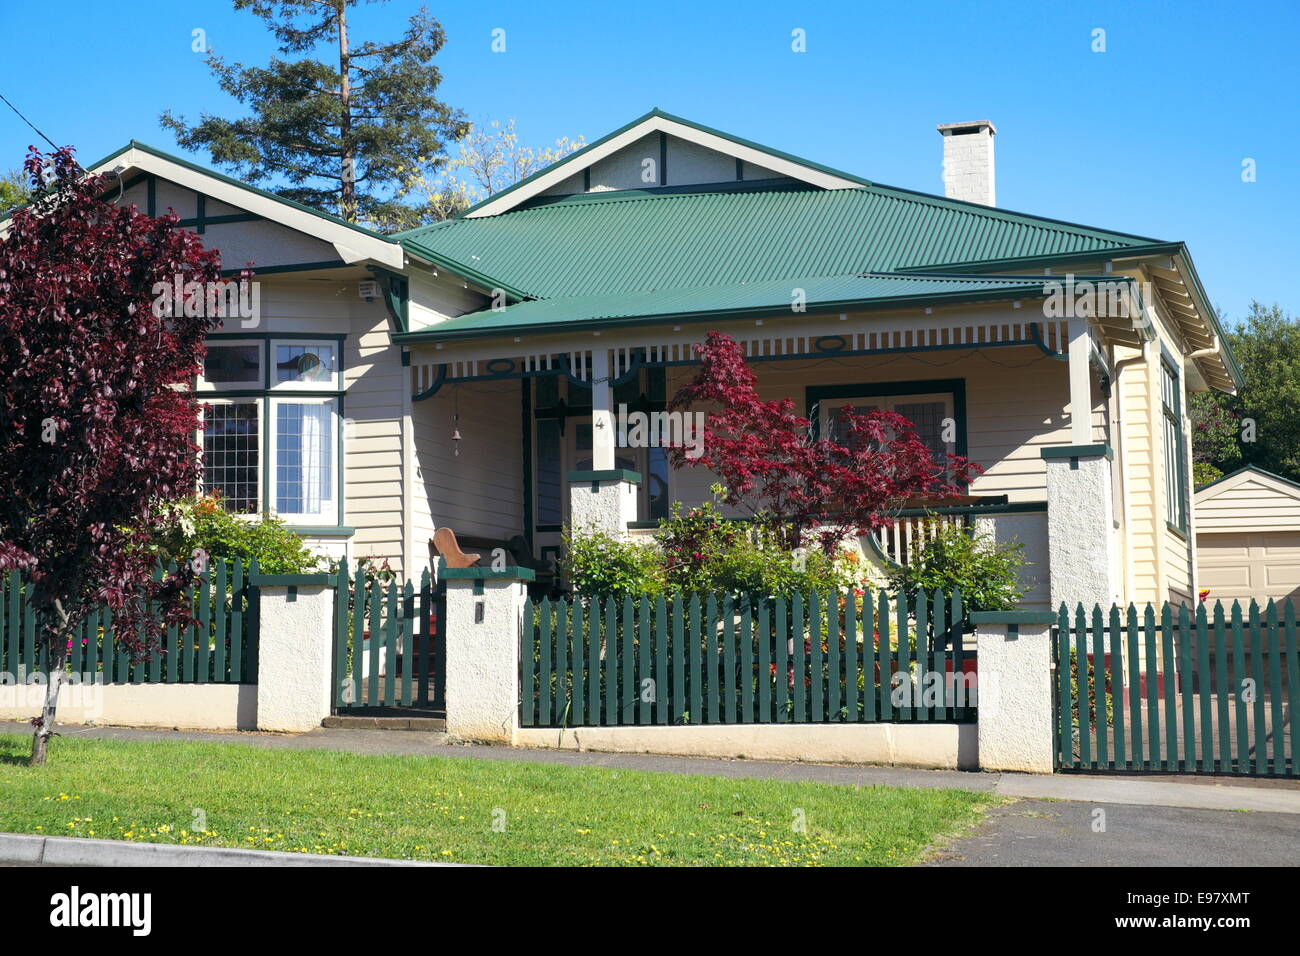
{"points": [[461, 809]]}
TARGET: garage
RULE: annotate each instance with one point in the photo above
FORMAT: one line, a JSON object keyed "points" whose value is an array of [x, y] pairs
{"points": [[1248, 537]]}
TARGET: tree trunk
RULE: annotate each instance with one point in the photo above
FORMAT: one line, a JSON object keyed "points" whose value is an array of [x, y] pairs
{"points": [[54, 657], [55, 653], [348, 198]]}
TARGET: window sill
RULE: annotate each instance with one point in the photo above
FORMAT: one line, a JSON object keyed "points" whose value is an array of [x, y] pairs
{"points": [[323, 531], [1181, 532]]}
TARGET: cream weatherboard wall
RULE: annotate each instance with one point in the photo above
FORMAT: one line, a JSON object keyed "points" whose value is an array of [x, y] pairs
{"points": [[475, 485]]}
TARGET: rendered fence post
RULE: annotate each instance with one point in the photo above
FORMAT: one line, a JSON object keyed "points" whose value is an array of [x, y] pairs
{"points": [[1014, 654], [295, 650], [484, 619]]}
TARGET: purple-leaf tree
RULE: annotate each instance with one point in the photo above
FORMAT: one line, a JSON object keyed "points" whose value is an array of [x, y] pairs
{"points": [[97, 422]]}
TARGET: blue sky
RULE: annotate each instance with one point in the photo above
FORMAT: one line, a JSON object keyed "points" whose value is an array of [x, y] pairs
{"points": [[1146, 137]]}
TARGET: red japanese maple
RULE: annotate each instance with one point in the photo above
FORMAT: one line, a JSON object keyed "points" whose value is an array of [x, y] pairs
{"points": [[801, 485], [94, 435]]}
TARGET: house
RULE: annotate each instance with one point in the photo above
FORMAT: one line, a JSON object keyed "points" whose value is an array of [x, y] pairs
{"points": [[468, 373], [1248, 537]]}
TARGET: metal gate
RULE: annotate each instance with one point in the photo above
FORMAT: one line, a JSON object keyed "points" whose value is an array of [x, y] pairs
{"points": [[1177, 690], [389, 653]]}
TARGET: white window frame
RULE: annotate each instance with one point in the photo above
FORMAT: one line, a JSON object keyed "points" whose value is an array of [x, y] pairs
{"points": [[203, 385], [334, 383], [329, 513]]}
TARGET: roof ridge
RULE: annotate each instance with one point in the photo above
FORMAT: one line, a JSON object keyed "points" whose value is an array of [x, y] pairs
{"points": [[582, 200], [998, 212], [573, 200]]}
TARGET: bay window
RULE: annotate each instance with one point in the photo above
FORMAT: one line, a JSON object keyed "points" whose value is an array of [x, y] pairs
{"points": [[271, 427]]}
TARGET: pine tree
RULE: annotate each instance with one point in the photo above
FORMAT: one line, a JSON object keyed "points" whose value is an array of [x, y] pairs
{"points": [[342, 135]]}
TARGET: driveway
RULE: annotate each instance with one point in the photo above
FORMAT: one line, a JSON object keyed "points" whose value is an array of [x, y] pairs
{"points": [[1068, 833]]}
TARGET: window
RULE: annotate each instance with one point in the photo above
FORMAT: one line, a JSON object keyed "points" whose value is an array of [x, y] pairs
{"points": [[304, 443], [232, 365], [1175, 466], [926, 412], [264, 451], [305, 365], [231, 440]]}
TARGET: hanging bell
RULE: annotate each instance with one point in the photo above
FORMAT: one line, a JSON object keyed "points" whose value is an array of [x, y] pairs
{"points": [[455, 437]]}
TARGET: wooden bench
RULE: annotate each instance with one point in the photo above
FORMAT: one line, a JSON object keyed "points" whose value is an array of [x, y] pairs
{"points": [[450, 546]]}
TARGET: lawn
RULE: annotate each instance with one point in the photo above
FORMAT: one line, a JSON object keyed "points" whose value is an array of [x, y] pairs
{"points": [[461, 809]]}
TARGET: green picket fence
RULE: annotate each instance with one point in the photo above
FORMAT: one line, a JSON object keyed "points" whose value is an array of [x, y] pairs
{"points": [[815, 658], [387, 648], [220, 647], [1178, 690]]}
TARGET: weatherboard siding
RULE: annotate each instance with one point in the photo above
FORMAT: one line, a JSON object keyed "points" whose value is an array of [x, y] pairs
{"points": [[434, 298], [373, 445], [481, 490], [1248, 506]]}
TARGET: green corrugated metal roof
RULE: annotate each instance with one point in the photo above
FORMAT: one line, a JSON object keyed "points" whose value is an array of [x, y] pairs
{"points": [[707, 303], [641, 241]]}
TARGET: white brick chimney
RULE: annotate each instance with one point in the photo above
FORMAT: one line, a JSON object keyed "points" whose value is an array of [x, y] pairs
{"points": [[968, 171]]}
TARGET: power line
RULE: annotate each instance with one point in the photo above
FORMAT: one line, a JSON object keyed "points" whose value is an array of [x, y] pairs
{"points": [[27, 121]]}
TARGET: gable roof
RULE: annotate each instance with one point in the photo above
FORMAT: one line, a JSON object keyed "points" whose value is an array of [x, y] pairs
{"points": [[643, 240], [352, 242], [657, 120], [1276, 484], [710, 303]]}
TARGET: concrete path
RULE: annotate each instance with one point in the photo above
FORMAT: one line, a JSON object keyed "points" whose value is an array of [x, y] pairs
{"points": [[1202, 793]]}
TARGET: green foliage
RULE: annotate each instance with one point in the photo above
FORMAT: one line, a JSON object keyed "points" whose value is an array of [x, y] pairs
{"points": [[699, 551], [342, 132], [705, 552], [1092, 692], [201, 523], [1258, 425], [1203, 473], [986, 572], [599, 565], [14, 190]]}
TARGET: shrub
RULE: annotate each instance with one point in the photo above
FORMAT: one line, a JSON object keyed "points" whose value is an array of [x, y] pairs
{"points": [[986, 572], [706, 552], [201, 523], [1092, 691], [599, 565]]}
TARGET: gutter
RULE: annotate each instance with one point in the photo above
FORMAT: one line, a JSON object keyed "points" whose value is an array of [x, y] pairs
{"points": [[1031, 291]]}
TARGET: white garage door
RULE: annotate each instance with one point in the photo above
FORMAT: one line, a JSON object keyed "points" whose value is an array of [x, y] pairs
{"points": [[1258, 565]]}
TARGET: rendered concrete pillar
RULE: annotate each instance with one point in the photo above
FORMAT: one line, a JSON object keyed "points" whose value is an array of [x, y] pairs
{"points": [[295, 650], [1080, 527], [484, 620], [1015, 719], [603, 500]]}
